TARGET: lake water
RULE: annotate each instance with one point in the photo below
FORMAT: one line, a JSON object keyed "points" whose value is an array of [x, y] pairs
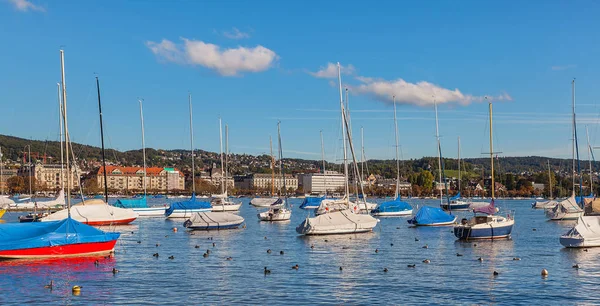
{"points": [[191, 279]]}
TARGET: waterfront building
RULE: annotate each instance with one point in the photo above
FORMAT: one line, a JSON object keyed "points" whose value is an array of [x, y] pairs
{"points": [[319, 183], [132, 178], [48, 176], [263, 181]]}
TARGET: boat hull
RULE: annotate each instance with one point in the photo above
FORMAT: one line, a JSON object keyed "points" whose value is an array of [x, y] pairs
{"points": [[566, 216], [150, 211], [578, 242], [186, 213], [393, 214], [70, 250], [447, 223], [226, 207], [457, 206], [109, 222], [484, 231], [281, 216]]}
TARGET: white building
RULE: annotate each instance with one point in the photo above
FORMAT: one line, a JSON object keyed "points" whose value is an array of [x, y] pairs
{"points": [[49, 177], [265, 181], [320, 183]]}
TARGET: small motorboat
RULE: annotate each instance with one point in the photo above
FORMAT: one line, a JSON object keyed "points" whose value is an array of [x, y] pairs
{"points": [[338, 222], [277, 212], [432, 216], [396, 207]]}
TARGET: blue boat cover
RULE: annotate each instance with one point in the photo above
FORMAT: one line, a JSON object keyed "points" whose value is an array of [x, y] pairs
{"points": [[17, 236], [580, 198], [188, 205], [278, 202], [456, 197], [396, 205], [132, 203], [431, 215], [312, 202]]}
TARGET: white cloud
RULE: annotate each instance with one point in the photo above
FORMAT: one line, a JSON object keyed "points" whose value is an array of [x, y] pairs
{"points": [[227, 62], [235, 33], [25, 6], [563, 67], [421, 93], [330, 71]]}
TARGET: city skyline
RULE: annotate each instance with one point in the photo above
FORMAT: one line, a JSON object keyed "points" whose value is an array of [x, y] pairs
{"points": [[255, 70]]}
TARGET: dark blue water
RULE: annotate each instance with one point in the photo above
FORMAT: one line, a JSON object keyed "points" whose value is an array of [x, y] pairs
{"points": [[191, 279]]}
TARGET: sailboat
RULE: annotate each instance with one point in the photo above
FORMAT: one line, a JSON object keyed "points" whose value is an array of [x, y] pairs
{"points": [[221, 201], [456, 202], [266, 202], [313, 202], [186, 209], [570, 208], [278, 210], [489, 225], [434, 216], [62, 238], [549, 203], [96, 211], [396, 207], [347, 220], [140, 205]]}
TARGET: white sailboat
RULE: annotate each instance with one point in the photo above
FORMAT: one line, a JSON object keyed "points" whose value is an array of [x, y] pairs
{"points": [[395, 207], [278, 210], [568, 209], [489, 225], [221, 202], [549, 203], [342, 221], [96, 211], [266, 202], [140, 205]]}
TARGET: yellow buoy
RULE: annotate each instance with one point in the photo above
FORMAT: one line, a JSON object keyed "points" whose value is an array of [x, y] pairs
{"points": [[544, 272], [76, 290], [175, 229]]}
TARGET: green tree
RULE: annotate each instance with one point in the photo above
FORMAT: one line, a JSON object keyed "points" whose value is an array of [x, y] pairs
{"points": [[16, 184]]}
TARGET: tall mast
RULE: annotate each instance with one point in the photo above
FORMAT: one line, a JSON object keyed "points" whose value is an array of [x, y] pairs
{"points": [[459, 164], [397, 158], [549, 180], [362, 152], [66, 126], [492, 152], [226, 154], [221, 154], [437, 137], [143, 144], [440, 161], [346, 187], [102, 141], [573, 130], [61, 136], [281, 158], [192, 145], [30, 179], [323, 158], [1, 166], [590, 159], [272, 167], [322, 151]]}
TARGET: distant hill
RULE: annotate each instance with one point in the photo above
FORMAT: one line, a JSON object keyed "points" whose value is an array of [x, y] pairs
{"points": [[13, 148]]}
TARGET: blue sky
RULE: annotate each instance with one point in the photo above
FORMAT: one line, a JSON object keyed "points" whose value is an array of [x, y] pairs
{"points": [[254, 62]]}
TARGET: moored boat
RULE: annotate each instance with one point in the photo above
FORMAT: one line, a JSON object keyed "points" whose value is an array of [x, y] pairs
{"points": [[213, 221], [186, 209], [567, 209], [338, 222], [95, 212], [432, 216], [585, 233], [140, 206]]}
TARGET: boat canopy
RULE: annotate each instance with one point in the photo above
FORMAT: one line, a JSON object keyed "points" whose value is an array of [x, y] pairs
{"points": [[279, 202], [567, 206], [395, 205], [188, 205], [132, 203], [586, 227], [431, 215], [312, 202], [456, 197], [17, 236], [487, 209]]}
